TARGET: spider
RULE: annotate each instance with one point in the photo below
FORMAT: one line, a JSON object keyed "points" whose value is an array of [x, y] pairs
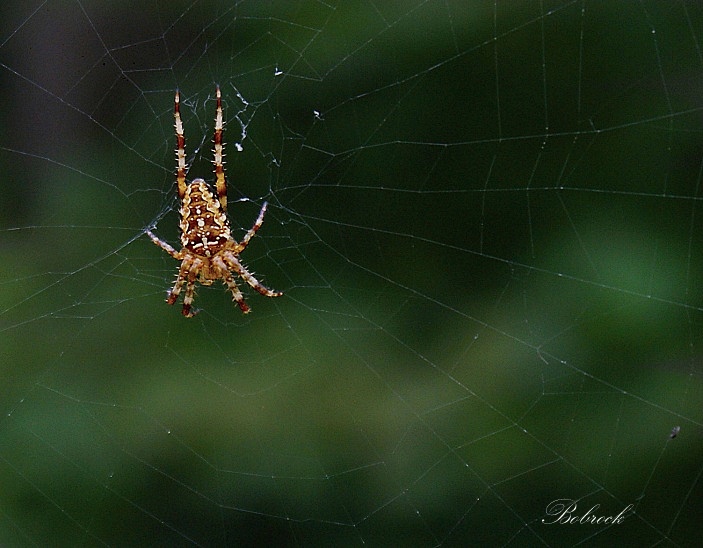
{"points": [[209, 252]]}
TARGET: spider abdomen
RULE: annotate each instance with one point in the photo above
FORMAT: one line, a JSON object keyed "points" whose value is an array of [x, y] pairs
{"points": [[204, 225]]}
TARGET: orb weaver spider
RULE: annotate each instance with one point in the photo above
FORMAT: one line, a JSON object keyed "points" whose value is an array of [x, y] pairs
{"points": [[209, 252]]}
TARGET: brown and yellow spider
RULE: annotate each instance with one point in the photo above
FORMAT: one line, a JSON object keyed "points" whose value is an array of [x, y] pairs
{"points": [[209, 252]]}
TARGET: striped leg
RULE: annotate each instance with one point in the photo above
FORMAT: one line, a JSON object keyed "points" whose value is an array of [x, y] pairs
{"points": [[163, 245], [187, 275], [253, 230], [232, 285], [183, 272], [180, 148], [220, 183], [249, 278], [190, 293]]}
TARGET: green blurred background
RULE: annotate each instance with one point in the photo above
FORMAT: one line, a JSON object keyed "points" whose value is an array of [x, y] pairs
{"points": [[486, 220]]}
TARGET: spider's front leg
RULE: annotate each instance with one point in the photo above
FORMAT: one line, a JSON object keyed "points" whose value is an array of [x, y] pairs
{"points": [[189, 296], [248, 277], [187, 275], [231, 284]]}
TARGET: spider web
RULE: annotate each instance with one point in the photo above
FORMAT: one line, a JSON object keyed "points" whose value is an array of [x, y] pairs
{"points": [[485, 217]]}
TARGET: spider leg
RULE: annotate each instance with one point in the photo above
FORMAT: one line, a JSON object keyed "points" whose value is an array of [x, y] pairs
{"points": [[180, 280], [253, 230], [180, 148], [187, 275], [220, 183], [248, 277], [163, 245], [190, 293], [231, 285]]}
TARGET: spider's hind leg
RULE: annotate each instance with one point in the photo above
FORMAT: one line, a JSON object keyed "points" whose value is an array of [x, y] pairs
{"points": [[219, 159]]}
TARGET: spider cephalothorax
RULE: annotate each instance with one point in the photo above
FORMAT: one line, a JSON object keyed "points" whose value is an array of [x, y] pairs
{"points": [[209, 252]]}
